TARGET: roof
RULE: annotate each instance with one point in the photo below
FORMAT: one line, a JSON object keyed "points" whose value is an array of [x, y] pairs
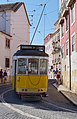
{"points": [[30, 53], [5, 33], [14, 7], [48, 37]]}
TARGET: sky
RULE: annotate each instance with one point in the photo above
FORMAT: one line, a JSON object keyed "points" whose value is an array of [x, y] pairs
{"points": [[34, 9]]}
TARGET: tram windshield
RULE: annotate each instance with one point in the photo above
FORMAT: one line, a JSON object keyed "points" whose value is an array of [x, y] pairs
{"points": [[43, 66], [33, 66], [22, 65]]}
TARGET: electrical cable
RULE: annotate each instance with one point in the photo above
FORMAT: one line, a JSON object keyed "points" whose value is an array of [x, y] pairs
{"points": [[38, 24]]}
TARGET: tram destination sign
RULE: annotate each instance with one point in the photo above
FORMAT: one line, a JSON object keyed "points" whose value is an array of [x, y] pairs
{"points": [[33, 47]]}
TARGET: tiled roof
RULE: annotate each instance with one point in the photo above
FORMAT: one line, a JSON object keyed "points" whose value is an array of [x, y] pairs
{"points": [[14, 7]]}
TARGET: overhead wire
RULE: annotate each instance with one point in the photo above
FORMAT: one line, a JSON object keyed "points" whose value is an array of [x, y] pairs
{"points": [[33, 15], [38, 24], [48, 21]]}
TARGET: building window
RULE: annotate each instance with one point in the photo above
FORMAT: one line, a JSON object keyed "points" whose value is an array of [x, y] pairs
{"points": [[72, 13], [8, 43], [65, 67], [62, 30], [62, 51], [67, 46], [7, 62], [67, 22], [73, 43]]}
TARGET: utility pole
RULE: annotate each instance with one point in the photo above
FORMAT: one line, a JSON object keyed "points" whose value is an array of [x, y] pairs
{"points": [[69, 52], [37, 24]]}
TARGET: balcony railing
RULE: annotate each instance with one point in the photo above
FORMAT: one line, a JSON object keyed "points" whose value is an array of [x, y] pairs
{"points": [[57, 60], [53, 42], [56, 50], [53, 51], [70, 2], [63, 7], [57, 46], [53, 61]]}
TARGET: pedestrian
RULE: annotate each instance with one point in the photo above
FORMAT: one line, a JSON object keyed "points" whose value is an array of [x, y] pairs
{"points": [[56, 71], [54, 74], [5, 76], [1, 75], [61, 78], [58, 78], [8, 75]]}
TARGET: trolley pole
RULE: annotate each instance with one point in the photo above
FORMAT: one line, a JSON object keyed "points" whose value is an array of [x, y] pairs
{"points": [[69, 53], [38, 24]]}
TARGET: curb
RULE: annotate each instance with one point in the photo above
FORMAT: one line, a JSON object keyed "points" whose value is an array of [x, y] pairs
{"points": [[71, 100], [66, 96], [3, 84]]}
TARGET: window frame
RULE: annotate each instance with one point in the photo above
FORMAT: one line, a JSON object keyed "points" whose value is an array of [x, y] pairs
{"points": [[67, 22], [62, 30], [22, 66], [67, 47], [7, 62], [44, 67], [73, 44], [7, 43], [72, 14], [62, 52], [32, 66]]}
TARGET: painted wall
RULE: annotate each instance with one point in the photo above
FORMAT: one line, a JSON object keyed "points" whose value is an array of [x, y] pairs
{"points": [[19, 29], [4, 52], [65, 60], [16, 25], [48, 50]]}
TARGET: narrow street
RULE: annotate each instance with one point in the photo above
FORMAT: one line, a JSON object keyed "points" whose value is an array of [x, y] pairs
{"points": [[55, 106]]}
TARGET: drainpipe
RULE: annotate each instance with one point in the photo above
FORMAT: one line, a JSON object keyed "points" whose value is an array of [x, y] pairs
{"points": [[69, 52]]}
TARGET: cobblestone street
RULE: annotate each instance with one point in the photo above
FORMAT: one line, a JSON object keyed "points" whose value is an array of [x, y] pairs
{"points": [[14, 108]]}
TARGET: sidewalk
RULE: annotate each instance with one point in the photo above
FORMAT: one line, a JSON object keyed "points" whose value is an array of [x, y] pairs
{"points": [[67, 93], [7, 83]]}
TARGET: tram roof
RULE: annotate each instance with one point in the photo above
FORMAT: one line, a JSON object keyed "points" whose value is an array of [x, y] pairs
{"points": [[30, 53]]}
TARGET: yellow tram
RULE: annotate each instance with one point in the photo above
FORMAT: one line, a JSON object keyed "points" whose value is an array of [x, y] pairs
{"points": [[30, 70]]}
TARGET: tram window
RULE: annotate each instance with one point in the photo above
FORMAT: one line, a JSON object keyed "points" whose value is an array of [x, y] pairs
{"points": [[22, 66], [43, 66], [33, 66]]}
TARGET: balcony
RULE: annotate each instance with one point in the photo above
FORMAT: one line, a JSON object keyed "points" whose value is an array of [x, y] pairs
{"points": [[53, 51], [70, 2], [58, 60], [63, 7], [53, 61], [57, 48], [53, 42]]}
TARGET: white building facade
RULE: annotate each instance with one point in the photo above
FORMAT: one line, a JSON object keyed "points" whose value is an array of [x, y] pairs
{"points": [[14, 21], [48, 50], [5, 52]]}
